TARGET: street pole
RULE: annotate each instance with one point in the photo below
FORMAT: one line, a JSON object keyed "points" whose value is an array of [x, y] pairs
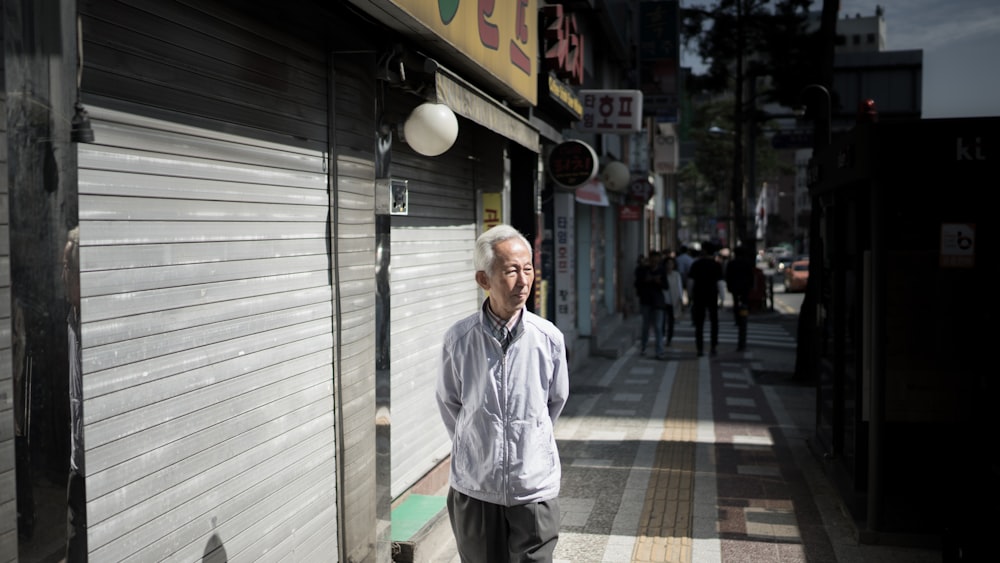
{"points": [[806, 360], [750, 196], [736, 195], [821, 131]]}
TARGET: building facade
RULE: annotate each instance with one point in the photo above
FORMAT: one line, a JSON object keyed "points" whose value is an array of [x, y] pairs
{"points": [[269, 255]]}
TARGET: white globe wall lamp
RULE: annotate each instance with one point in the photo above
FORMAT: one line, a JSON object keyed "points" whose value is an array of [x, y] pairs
{"points": [[430, 129], [616, 176]]}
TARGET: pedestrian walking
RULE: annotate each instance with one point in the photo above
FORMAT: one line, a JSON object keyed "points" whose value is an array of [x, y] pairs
{"points": [[504, 381], [649, 284], [672, 297], [740, 280], [703, 287], [722, 257], [685, 256]]}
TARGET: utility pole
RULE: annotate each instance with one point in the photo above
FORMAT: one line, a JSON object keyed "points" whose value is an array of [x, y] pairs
{"points": [[736, 190]]}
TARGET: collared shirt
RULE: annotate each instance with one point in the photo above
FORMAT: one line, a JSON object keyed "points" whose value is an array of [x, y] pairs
{"points": [[502, 330]]}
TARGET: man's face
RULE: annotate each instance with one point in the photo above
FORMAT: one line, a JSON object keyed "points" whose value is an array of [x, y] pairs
{"points": [[510, 281]]}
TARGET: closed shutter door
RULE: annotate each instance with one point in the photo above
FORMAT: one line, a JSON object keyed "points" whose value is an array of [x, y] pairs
{"points": [[207, 343], [8, 525], [432, 286]]}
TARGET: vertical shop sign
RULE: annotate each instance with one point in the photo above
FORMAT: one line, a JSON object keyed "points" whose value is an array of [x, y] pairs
{"points": [[565, 250], [665, 150], [492, 211]]}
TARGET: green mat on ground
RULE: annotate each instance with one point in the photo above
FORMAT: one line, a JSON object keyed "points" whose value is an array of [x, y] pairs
{"points": [[413, 513]]}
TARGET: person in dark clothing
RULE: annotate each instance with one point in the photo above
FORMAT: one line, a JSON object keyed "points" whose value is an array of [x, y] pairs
{"points": [[739, 280], [703, 287], [648, 285]]}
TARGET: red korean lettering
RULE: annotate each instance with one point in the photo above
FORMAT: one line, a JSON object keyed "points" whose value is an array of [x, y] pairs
{"points": [[518, 56], [489, 33]]}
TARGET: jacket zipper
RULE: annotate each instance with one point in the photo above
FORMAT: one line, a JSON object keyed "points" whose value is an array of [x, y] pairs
{"points": [[503, 408]]}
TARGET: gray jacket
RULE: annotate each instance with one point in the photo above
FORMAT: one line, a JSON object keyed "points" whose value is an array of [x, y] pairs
{"points": [[500, 409]]}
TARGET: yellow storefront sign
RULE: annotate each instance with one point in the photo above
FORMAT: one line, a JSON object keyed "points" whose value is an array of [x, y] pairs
{"points": [[499, 35], [492, 210]]}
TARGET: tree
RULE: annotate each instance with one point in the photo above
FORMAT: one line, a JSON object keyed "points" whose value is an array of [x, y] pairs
{"points": [[735, 38], [703, 182], [765, 40], [728, 34]]}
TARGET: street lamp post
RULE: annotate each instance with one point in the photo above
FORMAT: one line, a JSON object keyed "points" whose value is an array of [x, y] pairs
{"points": [[806, 361], [822, 126], [736, 194]]}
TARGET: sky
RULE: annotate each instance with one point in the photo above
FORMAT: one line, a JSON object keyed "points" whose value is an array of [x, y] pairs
{"points": [[961, 44], [960, 40]]}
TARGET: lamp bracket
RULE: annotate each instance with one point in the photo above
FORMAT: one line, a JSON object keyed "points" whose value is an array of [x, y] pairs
{"points": [[407, 70]]}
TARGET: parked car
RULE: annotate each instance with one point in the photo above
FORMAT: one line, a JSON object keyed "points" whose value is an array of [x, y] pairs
{"points": [[797, 275], [784, 261], [775, 253]]}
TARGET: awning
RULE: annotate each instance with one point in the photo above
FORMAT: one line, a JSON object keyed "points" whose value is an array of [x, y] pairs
{"points": [[592, 193], [472, 103]]}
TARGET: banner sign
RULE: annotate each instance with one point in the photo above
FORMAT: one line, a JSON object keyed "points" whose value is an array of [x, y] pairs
{"points": [[592, 193]]}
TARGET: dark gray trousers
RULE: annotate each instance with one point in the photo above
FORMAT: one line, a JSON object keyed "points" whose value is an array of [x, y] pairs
{"points": [[492, 533]]}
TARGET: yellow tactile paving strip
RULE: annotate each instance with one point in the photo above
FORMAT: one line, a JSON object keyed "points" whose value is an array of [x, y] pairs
{"points": [[666, 524]]}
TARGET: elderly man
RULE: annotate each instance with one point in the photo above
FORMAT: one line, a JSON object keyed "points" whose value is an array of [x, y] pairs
{"points": [[503, 384]]}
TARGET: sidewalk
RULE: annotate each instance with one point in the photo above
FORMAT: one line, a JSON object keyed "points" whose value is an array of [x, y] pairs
{"points": [[694, 460]]}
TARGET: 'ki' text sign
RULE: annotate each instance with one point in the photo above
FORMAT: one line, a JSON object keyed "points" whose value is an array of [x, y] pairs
{"points": [[611, 111]]}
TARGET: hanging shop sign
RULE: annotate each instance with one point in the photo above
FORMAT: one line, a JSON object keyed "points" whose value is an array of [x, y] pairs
{"points": [[611, 111], [665, 149], [641, 190], [572, 163]]}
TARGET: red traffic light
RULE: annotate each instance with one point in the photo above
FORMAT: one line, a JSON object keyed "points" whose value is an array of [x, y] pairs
{"points": [[867, 112]]}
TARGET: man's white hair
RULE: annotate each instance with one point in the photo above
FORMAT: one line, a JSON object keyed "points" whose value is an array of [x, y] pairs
{"points": [[487, 241]]}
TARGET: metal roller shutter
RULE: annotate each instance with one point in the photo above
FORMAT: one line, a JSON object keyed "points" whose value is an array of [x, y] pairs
{"points": [[227, 277], [433, 285], [8, 523], [207, 345]]}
